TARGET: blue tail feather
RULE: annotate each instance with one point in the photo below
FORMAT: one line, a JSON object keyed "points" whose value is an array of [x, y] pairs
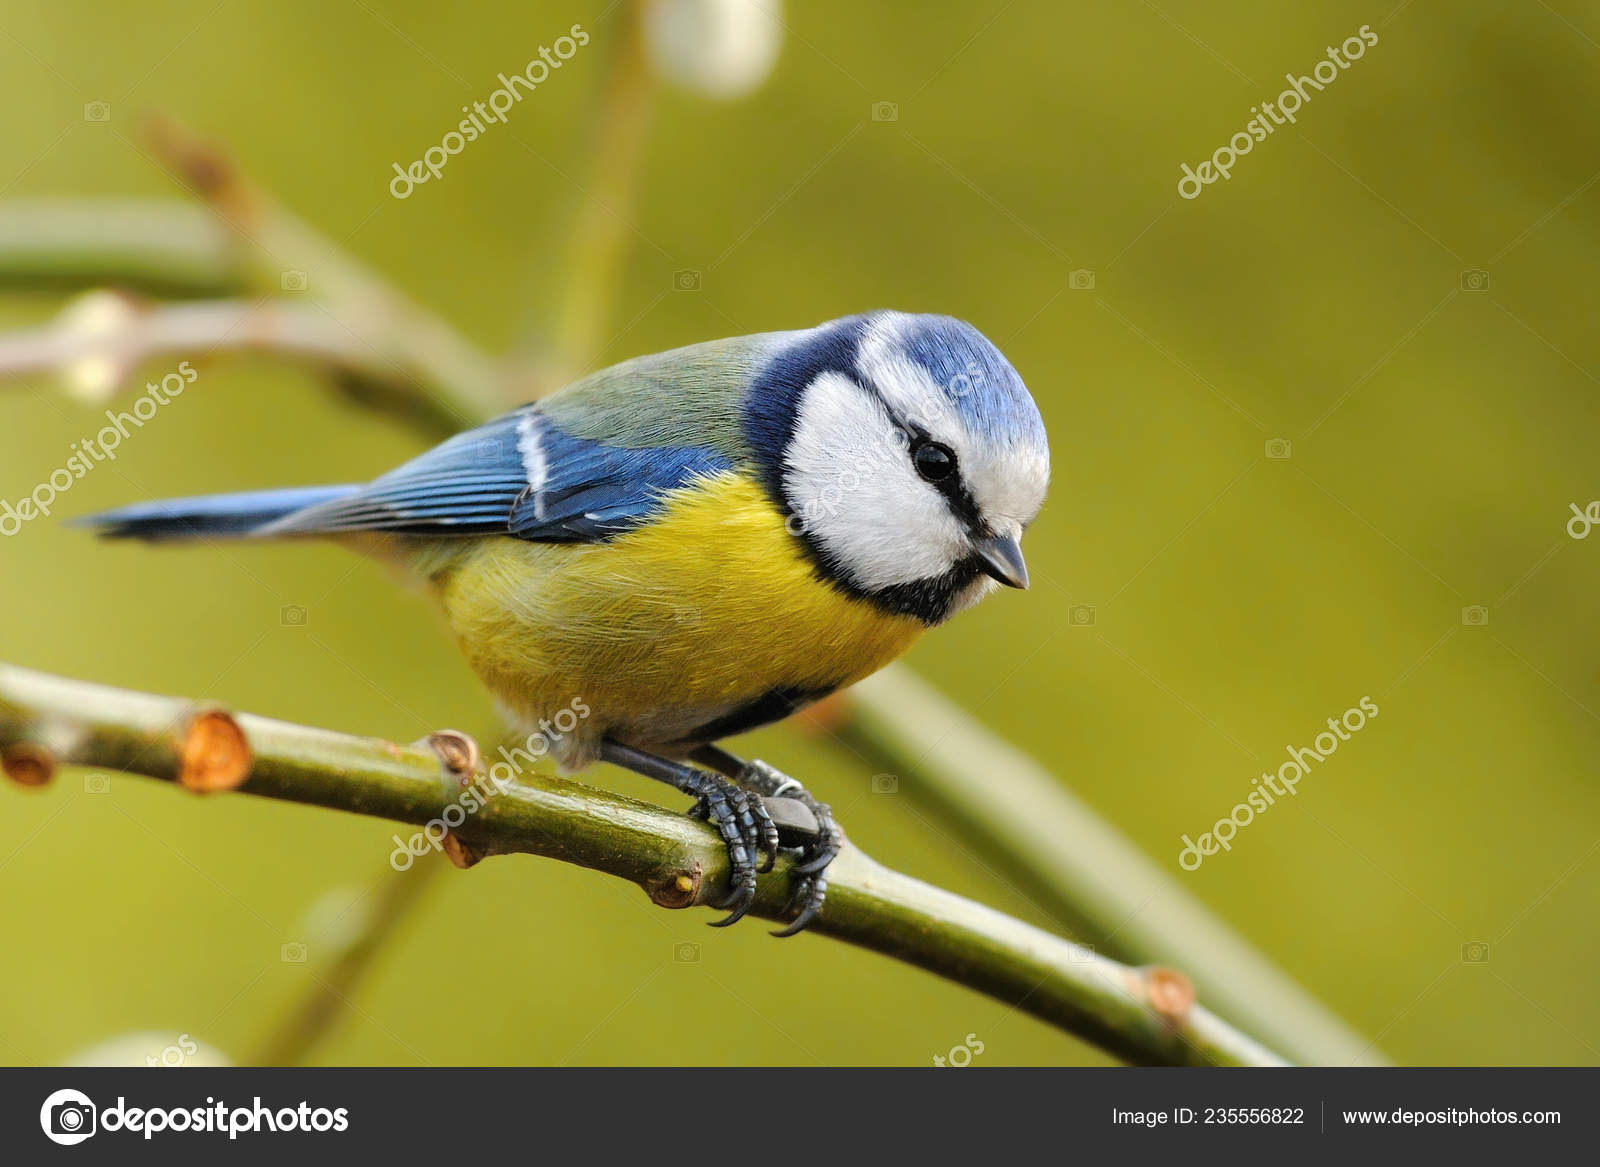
{"points": [[208, 515]]}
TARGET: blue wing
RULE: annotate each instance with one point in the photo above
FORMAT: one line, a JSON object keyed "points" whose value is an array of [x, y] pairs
{"points": [[518, 475]]}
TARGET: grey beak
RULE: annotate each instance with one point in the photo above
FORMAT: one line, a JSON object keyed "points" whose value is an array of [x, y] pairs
{"points": [[1001, 556]]}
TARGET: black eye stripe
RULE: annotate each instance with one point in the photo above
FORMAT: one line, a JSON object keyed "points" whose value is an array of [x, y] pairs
{"points": [[961, 502], [949, 483]]}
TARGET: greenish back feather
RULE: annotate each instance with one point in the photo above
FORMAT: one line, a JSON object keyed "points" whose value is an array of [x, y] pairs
{"points": [[688, 396]]}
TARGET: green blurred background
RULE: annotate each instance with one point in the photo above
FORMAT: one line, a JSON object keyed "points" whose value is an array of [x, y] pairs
{"points": [[1438, 433]]}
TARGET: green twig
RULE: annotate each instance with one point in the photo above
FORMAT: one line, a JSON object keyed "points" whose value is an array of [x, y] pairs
{"points": [[1146, 1016]]}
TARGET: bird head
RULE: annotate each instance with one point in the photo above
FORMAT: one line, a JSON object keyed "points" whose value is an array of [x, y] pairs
{"points": [[907, 455]]}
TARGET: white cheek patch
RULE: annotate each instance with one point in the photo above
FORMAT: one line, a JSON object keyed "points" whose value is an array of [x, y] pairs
{"points": [[852, 488]]}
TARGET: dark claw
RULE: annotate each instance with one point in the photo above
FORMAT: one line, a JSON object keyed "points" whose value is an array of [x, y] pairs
{"points": [[809, 893], [745, 895], [813, 866], [741, 891], [826, 850]]}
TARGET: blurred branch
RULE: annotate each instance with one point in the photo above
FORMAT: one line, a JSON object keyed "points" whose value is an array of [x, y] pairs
{"points": [[139, 333], [394, 894], [1086, 871], [385, 350], [1147, 1016], [156, 245], [280, 252], [598, 240], [113, 335]]}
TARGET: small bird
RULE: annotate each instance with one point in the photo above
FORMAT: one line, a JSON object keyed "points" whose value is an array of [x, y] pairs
{"points": [[699, 542]]}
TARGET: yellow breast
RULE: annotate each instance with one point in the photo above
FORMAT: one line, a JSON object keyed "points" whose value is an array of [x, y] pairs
{"points": [[706, 608]]}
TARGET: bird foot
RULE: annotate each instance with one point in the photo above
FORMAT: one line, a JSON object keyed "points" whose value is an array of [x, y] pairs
{"points": [[810, 887]]}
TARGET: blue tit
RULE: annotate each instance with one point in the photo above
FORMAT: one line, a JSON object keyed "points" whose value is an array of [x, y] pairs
{"points": [[692, 544]]}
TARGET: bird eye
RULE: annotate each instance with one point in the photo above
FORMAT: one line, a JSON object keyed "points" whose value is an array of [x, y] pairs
{"points": [[933, 461]]}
